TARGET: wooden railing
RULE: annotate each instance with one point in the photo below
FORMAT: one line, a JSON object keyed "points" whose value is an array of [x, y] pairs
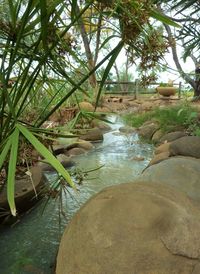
{"points": [[134, 88]]}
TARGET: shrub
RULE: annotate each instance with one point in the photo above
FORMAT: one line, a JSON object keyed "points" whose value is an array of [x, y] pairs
{"points": [[169, 118]]}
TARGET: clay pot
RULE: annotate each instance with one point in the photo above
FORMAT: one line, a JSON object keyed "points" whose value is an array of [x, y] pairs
{"points": [[166, 91]]}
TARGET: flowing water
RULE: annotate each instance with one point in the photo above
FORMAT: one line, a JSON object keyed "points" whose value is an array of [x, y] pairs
{"points": [[31, 245]]}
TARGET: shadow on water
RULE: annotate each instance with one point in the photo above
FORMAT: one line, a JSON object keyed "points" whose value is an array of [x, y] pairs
{"points": [[31, 245]]}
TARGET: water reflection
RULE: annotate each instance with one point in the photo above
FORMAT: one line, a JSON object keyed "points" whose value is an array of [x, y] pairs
{"points": [[31, 245]]}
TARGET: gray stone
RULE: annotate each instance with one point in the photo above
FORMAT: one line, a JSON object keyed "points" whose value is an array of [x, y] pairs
{"points": [[159, 157], [146, 131], [101, 125], [157, 135], [162, 148], [65, 160], [63, 149], [180, 172], [26, 195], [127, 129], [81, 144], [172, 136], [93, 135], [186, 146], [133, 228], [75, 151]]}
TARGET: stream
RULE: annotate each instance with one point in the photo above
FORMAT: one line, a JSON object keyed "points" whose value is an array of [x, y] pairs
{"points": [[31, 245]]}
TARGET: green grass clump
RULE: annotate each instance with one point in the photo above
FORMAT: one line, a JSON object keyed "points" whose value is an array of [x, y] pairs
{"points": [[136, 120], [169, 118], [173, 117]]}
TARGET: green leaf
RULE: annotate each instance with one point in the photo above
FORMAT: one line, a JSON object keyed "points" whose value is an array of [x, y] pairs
{"points": [[12, 10], [108, 39], [49, 157], [61, 101], [14, 137], [4, 152], [44, 22], [164, 19], [73, 9], [116, 52]]}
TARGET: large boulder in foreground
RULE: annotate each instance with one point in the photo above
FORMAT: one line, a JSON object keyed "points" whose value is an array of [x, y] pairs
{"points": [[180, 172], [133, 228]]}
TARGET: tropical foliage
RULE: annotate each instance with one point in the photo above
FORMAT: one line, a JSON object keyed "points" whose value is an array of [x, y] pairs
{"points": [[187, 38], [42, 65], [169, 118]]}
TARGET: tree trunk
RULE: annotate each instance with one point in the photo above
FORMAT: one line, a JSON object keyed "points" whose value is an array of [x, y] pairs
{"points": [[118, 77], [98, 36], [88, 52], [195, 83]]}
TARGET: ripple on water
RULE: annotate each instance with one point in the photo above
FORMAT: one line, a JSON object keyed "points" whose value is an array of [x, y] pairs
{"points": [[31, 245]]}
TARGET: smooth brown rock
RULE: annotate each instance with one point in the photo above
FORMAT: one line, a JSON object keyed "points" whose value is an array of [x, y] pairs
{"points": [[93, 135], [25, 196], [127, 129], [75, 151], [86, 106], [101, 125], [81, 144], [132, 228], [63, 149], [159, 157], [172, 136], [157, 136], [146, 131], [62, 158], [162, 148], [65, 160], [186, 146], [180, 172]]}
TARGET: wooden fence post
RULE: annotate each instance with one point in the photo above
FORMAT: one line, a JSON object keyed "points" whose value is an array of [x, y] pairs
{"points": [[179, 90], [136, 88]]}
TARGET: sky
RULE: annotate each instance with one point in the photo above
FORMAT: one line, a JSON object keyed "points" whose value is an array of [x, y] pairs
{"points": [[165, 76]]}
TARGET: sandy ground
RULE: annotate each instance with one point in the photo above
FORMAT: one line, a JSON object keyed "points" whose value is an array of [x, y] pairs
{"points": [[127, 104]]}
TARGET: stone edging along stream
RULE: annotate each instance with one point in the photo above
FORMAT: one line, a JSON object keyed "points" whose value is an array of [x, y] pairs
{"points": [[29, 190], [149, 226]]}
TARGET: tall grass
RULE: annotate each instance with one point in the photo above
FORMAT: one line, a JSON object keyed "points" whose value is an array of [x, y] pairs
{"points": [[169, 118]]}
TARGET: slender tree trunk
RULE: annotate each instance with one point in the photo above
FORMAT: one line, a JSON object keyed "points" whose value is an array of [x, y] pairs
{"points": [[126, 75], [195, 83], [99, 25], [118, 77], [88, 52]]}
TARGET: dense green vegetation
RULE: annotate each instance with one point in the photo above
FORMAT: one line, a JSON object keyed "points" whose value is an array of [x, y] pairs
{"points": [[170, 118], [50, 54]]}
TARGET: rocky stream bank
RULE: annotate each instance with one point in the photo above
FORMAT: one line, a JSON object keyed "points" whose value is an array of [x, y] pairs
{"points": [[150, 225]]}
